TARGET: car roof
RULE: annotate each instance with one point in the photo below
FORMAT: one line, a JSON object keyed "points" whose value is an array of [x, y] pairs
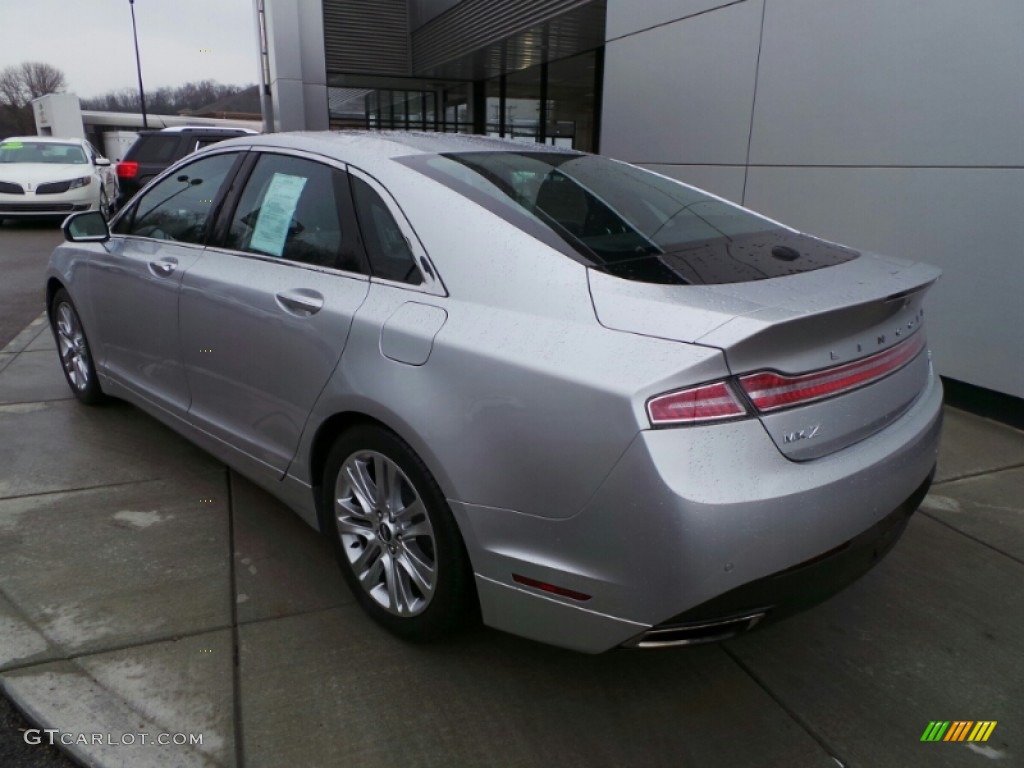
{"points": [[382, 145]]}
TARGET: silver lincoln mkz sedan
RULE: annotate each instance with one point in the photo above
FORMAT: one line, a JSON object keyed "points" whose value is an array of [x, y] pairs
{"points": [[600, 406]]}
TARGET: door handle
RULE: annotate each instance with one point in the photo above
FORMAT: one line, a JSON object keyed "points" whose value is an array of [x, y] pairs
{"points": [[163, 267], [302, 301]]}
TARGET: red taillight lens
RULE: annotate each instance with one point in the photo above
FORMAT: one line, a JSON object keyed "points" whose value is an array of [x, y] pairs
{"points": [[127, 169], [772, 391], [710, 402]]}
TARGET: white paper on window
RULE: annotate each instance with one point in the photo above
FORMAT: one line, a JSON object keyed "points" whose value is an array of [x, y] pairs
{"points": [[279, 202]]}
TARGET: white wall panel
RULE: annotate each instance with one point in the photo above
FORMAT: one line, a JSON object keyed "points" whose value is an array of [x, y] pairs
{"points": [[628, 16], [682, 93], [311, 32], [722, 180], [284, 36], [298, 72], [314, 100], [878, 82], [969, 222]]}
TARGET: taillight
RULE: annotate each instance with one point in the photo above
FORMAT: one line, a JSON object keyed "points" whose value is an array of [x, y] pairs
{"points": [[127, 169], [769, 391], [709, 402], [772, 391]]}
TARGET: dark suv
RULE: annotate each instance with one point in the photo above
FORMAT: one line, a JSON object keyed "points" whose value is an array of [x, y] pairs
{"points": [[154, 151]]}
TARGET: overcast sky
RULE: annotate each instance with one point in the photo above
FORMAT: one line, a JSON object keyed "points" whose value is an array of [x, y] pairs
{"points": [[91, 41]]}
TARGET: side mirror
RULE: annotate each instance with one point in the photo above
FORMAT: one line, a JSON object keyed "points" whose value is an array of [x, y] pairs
{"points": [[86, 227], [102, 162]]}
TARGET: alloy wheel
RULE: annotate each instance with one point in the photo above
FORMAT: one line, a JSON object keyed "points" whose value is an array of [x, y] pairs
{"points": [[386, 534], [73, 349]]}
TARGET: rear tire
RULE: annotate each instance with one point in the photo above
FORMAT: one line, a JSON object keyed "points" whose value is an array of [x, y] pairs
{"points": [[394, 536], [74, 350]]}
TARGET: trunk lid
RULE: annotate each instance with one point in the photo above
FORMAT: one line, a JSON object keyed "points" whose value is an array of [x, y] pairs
{"points": [[796, 324]]}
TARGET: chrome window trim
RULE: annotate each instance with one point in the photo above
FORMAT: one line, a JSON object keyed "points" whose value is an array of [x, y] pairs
{"points": [[432, 283], [141, 239], [332, 271], [301, 154]]}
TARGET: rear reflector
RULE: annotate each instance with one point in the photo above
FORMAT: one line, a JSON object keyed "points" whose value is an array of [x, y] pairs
{"points": [[544, 586], [710, 402], [772, 391], [127, 169]]}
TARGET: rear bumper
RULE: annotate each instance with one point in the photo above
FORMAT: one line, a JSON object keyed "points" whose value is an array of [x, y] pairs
{"points": [[694, 525], [790, 591]]}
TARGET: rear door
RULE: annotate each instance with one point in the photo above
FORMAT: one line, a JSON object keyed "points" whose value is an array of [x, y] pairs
{"points": [[266, 314], [134, 282]]}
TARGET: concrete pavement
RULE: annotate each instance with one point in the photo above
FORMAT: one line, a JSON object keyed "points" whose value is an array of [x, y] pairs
{"points": [[146, 589], [25, 247]]}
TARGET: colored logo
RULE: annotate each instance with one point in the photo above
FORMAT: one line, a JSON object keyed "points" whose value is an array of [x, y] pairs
{"points": [[958, 730]]}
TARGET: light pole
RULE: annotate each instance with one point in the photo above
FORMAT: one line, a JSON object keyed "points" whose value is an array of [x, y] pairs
{"points": [[138, 65]]}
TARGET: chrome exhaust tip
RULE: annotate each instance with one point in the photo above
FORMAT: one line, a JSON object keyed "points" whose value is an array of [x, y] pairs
{"points": [[676, 635]]}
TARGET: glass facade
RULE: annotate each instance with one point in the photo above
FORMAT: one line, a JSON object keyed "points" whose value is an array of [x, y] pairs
{"points": [[552, 103], [541, 85], [404, 109]]}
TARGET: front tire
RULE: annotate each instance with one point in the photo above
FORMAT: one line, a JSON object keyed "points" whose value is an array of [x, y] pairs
{"points": [[73, 348], [395, 539]]}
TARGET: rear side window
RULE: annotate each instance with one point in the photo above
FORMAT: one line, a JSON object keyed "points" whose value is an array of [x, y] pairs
{"points": [[386, 247], [291, 209], [178, 207], [627, 221], [155, 148]]}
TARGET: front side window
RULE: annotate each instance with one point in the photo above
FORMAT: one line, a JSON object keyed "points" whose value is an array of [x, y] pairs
{"points": [[178, 207], [290, 209], [386, 247]]}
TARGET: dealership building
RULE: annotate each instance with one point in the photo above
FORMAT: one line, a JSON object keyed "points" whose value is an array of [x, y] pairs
{"points": [[891, 127]]}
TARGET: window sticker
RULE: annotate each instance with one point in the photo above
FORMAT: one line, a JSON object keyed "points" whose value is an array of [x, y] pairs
{"points": [[12, 145], [279, 202]]}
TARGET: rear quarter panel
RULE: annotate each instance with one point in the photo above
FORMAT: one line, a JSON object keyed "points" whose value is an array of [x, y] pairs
{"points": [[525, 401]]}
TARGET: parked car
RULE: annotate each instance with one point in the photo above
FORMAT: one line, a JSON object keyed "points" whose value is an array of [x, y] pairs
{"points": [[42, 176], [599, 405], [154, 151]]}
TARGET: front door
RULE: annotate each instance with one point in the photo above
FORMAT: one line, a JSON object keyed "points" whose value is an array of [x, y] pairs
{"points": [[266, 315], [137, 278]]}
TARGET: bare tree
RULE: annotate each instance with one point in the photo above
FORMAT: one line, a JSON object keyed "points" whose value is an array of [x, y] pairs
{"points": [[41, 79], [21, 83], [165, 100], [10, 87]]}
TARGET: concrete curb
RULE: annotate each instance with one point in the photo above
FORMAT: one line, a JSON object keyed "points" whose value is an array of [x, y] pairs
{"points": [[25, 336]]}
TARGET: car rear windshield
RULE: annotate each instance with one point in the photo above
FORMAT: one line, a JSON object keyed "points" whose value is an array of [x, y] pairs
{"points": [[42, 152], [155, 148], [627, 221]]}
